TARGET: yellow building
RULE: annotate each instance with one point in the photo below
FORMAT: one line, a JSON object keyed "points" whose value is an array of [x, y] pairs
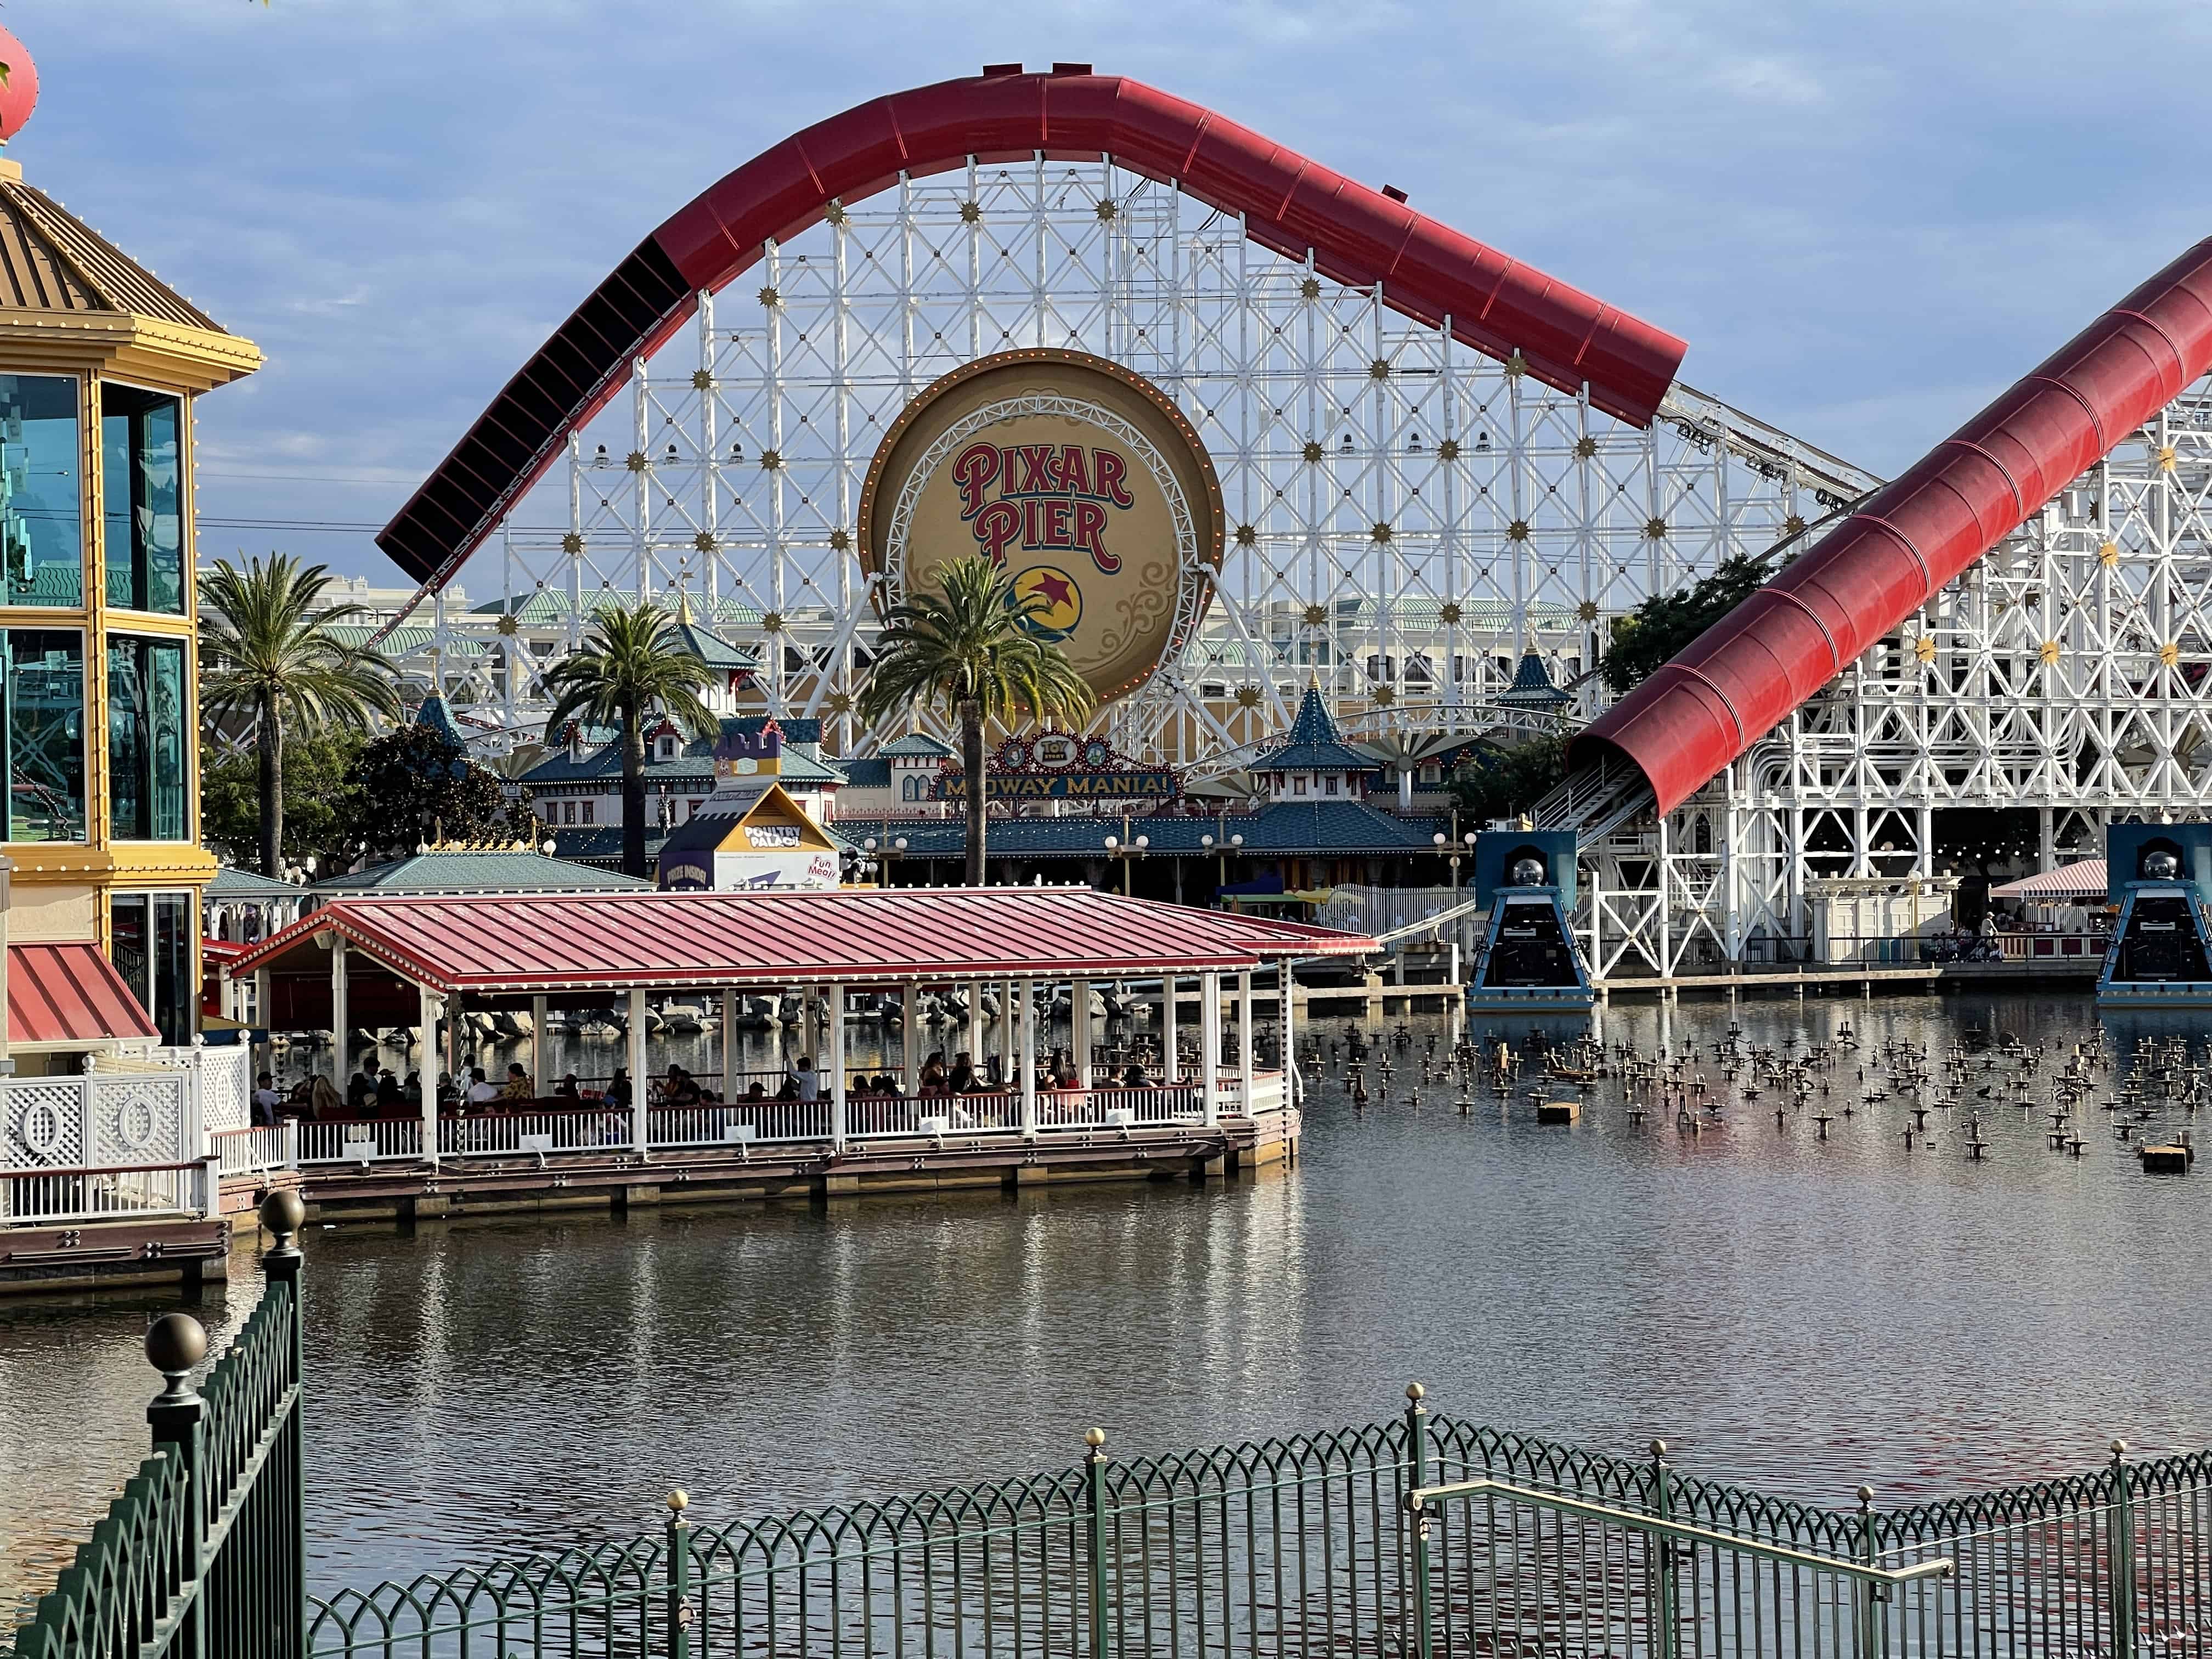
{"points": [[101, 363]]}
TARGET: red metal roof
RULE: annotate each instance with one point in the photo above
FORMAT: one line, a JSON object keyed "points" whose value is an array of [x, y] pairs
{"points": [[70, 993], [554, 941], [1565, 338], [1740, 678]]}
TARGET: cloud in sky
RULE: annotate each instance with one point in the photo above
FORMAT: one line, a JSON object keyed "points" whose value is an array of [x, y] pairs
{"points": [[1864, 218]]}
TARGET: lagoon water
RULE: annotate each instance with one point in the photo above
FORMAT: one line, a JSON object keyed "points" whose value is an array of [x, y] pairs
{"points": [[1795, 1314]]}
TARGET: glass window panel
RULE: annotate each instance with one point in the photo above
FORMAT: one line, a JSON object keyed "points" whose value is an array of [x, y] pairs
{"points": [[174, 937], [45, 735], [41, 524], [146, 738], [130, 944], [142, 506]]}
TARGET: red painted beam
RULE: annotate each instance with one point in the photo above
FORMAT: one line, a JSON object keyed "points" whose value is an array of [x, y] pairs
{"points": [[1743, 676], [1360, 236]]}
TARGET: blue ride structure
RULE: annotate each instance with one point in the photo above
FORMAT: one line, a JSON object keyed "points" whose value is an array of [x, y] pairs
{"points": [[2160, 875], [1529, 961]]}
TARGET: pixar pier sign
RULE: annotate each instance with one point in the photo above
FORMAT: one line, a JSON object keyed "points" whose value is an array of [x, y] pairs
{"points": [[1051, 498], [1077, 478]]}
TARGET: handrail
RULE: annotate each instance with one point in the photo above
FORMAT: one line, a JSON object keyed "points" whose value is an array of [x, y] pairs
{"points": [[1419, 1500]]}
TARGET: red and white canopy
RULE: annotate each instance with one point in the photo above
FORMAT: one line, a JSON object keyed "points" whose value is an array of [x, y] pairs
{"points": [[2085, 878], [539, 942]]}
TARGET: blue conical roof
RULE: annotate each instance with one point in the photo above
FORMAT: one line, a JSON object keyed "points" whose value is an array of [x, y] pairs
{"points": [[1313, 744], [1532, 686], [435, 715]]}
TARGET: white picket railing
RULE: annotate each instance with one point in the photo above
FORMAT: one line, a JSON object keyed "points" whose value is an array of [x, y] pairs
{"points": [[139, 1192], [259, 1151]]}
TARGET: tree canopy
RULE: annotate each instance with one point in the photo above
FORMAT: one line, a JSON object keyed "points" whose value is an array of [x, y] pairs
{"points": [[1659, 629]]}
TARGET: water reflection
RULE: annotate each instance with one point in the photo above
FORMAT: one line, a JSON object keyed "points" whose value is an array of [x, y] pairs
{"points": [[1797, 1314]]}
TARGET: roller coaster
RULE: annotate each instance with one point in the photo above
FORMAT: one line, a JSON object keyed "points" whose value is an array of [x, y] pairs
{"points": [[1435, 464]]}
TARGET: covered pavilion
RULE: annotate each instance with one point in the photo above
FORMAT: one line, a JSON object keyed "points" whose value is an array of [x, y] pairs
{"points": [[409, 960]]}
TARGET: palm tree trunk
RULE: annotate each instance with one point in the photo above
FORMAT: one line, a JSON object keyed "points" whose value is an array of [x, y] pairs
{"points": [[971, 762], [269, 746], [633, 793]]}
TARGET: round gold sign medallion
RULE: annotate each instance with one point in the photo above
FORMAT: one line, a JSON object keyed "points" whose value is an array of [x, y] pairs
{"points": [[1075, 475]]}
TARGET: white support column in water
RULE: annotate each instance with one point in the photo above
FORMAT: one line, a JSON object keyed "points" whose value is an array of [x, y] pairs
{"points": [[428, 1005], [637, 1124], [1290, 1051], [1209, 1046], [837, 1050], [729, 1044], [1078, 1028], [910, 1034], [1170, 1062], [1026, 1058], [1245, 1041], [338, 1008], [541, 1046]]}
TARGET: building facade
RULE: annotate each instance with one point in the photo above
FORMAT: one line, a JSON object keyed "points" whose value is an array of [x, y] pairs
{"points": [[101, 365]]}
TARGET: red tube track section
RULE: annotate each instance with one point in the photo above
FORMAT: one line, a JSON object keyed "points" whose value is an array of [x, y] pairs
{"points": [[1742, 677], [1566, 338]]}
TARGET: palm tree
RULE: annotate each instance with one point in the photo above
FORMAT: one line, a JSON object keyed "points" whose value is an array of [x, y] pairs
{"points": [[965, 646], [270, 653], [631, 660]]}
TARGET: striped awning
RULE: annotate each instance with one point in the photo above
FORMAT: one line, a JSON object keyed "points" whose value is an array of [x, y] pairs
{"points": [[64, 993], [2081, 880]]}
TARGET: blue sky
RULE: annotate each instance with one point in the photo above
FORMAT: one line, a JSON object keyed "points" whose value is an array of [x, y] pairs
{"points": [[1864, 219]]}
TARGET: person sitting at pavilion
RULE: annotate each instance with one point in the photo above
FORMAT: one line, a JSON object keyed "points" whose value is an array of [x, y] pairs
{"points": [[680, 1089], [756, 1090], [266, 1100], [323, 1099], [789, 1091], [961, 1080], [860, 1088], [360, 1089], [567, 1089], [618, 1091], [888, 1086], [388, 1097], [1134, 1076], [932, 1086], [482, 1092], [518, 1085]]}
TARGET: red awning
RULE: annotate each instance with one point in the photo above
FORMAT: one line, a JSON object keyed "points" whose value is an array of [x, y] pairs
{"points": [[545, 942], [70, 993]]}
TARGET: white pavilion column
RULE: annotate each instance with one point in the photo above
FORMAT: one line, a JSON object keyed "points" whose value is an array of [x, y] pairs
{"points": [[1027, 1060], [338, 1022], [729, 1044], [1209, 1045], [429, 1003], [910, 1034], [975, 1025], [637, 1121], [836, 1052], [1290, 1050], [1006, 1022], [1244, 1039], [1078, 1028], [1170, 1063], [540, 1047]]}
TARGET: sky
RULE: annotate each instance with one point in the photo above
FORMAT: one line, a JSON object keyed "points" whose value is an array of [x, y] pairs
{"points": [[1865, 219]]}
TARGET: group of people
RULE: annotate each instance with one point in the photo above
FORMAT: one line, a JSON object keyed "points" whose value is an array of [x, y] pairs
{"points": [[375, 1091]]}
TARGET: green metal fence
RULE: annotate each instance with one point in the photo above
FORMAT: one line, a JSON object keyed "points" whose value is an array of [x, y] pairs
{"points": [[203, 1555], [1421, 1536]]}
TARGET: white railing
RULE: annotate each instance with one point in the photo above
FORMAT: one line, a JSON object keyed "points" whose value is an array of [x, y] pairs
{"points": [[595, 1128], [141, 1192], [376, 1141], [257, 1152]]}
